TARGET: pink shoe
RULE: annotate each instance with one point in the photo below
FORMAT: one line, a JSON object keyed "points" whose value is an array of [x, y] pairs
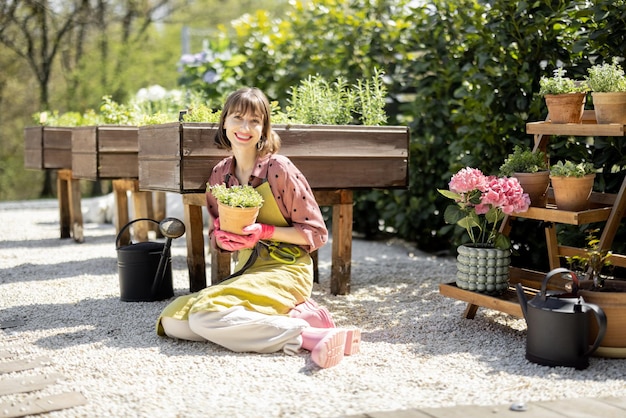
{"points": [[315, 315], [329, 350], [353, 341]]}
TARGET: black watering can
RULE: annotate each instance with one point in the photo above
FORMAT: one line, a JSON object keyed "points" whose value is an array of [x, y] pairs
{"points": [[145, 268], [558, 325]]}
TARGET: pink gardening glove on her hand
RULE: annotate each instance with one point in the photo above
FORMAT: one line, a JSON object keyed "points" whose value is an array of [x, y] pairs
{"points": [[235, 242]]}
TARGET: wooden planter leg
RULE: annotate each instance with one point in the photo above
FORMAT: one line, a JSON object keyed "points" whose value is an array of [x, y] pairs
{"points": [[71, 215], [120, 188], [342, 245], [63, 195], [194, 235]]}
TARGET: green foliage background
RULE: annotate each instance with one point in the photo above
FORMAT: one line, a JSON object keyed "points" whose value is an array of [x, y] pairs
{"points": [[463, 75]]}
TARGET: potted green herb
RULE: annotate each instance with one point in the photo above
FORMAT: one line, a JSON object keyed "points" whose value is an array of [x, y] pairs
{"points": [[572, 184], [238, 206], [608, 91], [565, 98], [531, 170]]}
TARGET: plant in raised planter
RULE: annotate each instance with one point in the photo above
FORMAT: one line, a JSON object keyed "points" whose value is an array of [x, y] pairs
{"points": [[238, 206], [572, 184], [565, 98], [608, 91], [530, 168]]}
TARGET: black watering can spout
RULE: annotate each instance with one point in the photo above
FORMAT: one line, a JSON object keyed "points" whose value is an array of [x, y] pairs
{"points": [[523, 301], [170, 228]]}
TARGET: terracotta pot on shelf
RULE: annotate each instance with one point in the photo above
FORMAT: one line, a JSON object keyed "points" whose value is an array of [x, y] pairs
{"points": [[610, 107], [566, 108], [613, 303], [536, 185], [572, 193]]}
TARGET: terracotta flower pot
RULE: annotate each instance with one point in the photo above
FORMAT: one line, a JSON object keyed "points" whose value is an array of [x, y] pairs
{"points": [[234, 219], [572, 193], [610, 107], [566, 108], [614, 306], [536, 185]]}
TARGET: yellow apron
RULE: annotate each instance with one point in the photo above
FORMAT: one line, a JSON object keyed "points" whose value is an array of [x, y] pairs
{"points": [[268, 286]]}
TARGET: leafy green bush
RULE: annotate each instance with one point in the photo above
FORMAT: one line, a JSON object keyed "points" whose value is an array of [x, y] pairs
{"points": [[524, 160], [238, 196], [606, 78], [571, 169]]}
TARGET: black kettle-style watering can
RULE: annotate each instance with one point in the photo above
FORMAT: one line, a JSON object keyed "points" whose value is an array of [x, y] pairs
{"points": [[558, 325], [145, 268]]}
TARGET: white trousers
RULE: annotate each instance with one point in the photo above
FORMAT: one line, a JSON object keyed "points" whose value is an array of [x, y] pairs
{"points": [[240, 330]]}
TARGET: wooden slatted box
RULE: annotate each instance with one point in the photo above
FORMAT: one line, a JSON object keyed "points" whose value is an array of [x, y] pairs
{"points": [[47, 147], [105, 152], [178, 157]]}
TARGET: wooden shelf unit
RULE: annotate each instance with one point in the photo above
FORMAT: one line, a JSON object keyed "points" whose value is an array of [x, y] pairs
{"points": [[604, 207]]}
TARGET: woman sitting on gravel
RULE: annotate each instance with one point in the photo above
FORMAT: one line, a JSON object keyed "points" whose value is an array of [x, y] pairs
{"points": [[265, 306]]}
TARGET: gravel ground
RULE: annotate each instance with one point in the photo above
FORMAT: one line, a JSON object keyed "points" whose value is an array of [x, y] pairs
{"points": [[417, 351]]}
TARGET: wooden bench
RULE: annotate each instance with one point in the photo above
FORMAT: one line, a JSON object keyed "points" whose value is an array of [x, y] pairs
{"points": [[178, 157]]}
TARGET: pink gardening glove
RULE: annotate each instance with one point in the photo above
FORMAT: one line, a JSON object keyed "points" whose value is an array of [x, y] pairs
{"points": [[235, 242]]}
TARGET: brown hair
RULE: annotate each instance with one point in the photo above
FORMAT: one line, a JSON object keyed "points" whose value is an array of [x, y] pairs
{"points": [[249, 100]]}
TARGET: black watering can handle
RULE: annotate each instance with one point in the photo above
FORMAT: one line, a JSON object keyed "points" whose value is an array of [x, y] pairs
{"points": [[119, 235], [601, 320], [552, 273]]}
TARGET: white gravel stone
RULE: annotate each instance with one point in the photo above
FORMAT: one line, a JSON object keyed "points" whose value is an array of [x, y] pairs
{"points": [[417, 351]]}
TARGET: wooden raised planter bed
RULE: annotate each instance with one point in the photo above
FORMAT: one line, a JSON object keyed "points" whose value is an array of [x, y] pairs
{"points": [[178, 157]]}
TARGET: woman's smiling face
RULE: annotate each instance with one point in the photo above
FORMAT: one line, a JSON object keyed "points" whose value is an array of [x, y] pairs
{"points": [[243, 129]]}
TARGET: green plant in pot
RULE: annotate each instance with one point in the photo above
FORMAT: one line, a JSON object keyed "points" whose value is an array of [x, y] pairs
{"points": [[565, 98], [531, 170], [572, 183], [608, 91], [238, 206]]}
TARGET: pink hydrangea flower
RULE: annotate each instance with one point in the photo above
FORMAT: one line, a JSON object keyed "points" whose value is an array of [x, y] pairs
{"points": [[467, 180], [490, 198]]}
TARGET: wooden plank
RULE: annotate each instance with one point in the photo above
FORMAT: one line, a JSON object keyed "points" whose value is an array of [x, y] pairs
{"points": [[575, 129], [118, 138], [23, 384], [618, 401], [342, 245], [84, 153], [322, 172], [551, 214], [41, 404], [194, 236], [57, 137], [507, 302], [118, 165], [57, 158], [33, 147], [501, 411], [84, 139], [583, 407], [85, 165], [21, 365], [63, 196]]}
